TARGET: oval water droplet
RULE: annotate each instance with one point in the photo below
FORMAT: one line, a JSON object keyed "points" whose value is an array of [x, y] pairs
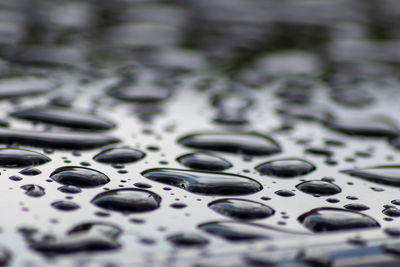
{"points": [[285, 193], [356, 207], [139, 93], [202, 182], [65, 205], [33, 190], [248, 143], [16, 158], [79, 176], [55, 139], [321, 188], [240, 231], [286, 168], [187, 240], [387, 174], [391, 212], [24, 86], [241, 209], [204, 161], [119, 155], [335, 219], [307, 113], [30, 171], [128, 200], [64, 117], [369, 127], [70, 189]]}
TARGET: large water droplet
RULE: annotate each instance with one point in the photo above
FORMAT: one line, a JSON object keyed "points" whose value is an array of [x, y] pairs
{"points": [[24, 86], [16, 158], [334, 219], [128, 200], [241, 209], [64, 117], [283, 168], [371, 127], [204, 161], [388, 175], [56, 139], [208, 183], [249, 143], [119, 155], [322, 188], [79, 176], [87, 237], [240, 231]]}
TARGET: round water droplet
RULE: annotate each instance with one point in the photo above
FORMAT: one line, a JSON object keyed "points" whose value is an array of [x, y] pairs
{"points": [[15, 158], [335, 219], [204, 161], [128, 200], [283, 168], [79, 176], [120, 155], [241, 209], [322, 188], [248, 143], [201, 182]]}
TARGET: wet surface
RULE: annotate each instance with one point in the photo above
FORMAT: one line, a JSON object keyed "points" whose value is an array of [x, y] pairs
{"points": [[140, 133]]}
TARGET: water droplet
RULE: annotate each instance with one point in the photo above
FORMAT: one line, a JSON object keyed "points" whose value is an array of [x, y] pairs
{"points": [[187, 240], [128, 200], [388, 175], [64, 117], [392, 231], [30, 171], [65, 205], [87, 237], [79, 176], [356, 206], [286, 168], [241, 209], [24, 86], [208, 183], [285, 193], [15, 158], [371, 127], [322, 188], [120, 155], [391, 212], [307, 113], [335, 219], [204, 161], [56, 139], [33, 190], [248, 143], [178, 205], [393, 248], [240, 231], [139, 93], [70, 189]]}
